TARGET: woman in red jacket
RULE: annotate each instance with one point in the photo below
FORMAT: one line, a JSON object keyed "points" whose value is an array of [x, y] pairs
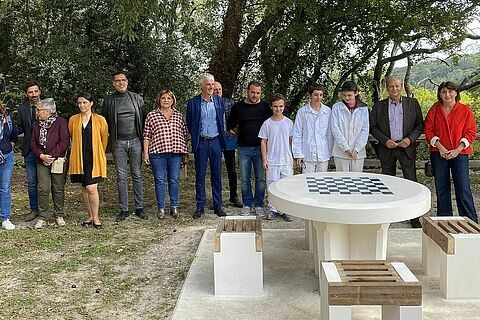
{"points": [[450, 130]]}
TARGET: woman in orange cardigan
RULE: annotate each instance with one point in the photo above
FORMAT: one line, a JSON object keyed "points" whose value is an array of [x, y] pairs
{"points": [[88, 162], [450, 131]]}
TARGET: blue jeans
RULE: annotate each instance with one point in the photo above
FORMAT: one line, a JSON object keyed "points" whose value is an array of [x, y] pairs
{"points": [[166, 165], [459, 168], [248, 156], [6, 170], [31, 166], [129, 152], [208, 151]]}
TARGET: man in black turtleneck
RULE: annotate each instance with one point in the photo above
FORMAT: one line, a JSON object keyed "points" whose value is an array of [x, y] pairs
{"points": [[125, 115]]}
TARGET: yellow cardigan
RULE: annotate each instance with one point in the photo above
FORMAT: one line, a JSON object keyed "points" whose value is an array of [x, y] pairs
{"points": [[99, 145]]}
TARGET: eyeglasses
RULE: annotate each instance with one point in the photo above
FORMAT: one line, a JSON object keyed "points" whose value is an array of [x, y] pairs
{"points": [[40, 110]]}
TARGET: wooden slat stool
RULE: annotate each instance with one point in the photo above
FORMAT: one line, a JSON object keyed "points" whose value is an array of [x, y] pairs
{"points": [[237, 256], [451, 250], [377, 282]]}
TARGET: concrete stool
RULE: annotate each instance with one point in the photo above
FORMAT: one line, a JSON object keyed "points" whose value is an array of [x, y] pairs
{"points": [[450, 250], [237, 256], [378, 282]]}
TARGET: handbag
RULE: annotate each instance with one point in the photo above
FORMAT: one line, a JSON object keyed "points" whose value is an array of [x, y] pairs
{"points": [[428, 169], [57, 165]]}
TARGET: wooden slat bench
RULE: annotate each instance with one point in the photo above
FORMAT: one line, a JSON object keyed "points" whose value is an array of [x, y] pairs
{"points": [[451, 250], [363, 282], [237, 256]]}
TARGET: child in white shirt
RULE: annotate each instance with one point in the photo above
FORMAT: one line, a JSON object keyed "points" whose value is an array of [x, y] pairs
{"points": [[350, 126], [312, 138], [276, 134]]}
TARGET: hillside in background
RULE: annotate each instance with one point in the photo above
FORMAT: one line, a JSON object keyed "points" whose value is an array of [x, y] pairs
{"points": [[439, 71]]}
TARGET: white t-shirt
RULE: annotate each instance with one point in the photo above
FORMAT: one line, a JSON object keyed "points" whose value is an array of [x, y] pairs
{"points": [[278, 133]]}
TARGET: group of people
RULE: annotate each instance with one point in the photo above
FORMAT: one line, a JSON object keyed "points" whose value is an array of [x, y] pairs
{"points": [[52, 147], [272, 144], [255, 129]]}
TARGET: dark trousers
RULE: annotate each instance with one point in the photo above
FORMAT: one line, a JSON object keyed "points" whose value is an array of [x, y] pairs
{"points": [[208, 151], [458, 166], [408, 166], [229, 156], [389, 166]]}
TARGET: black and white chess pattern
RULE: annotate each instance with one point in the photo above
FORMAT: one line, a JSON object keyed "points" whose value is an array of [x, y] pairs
{"points": [[347, 185]]}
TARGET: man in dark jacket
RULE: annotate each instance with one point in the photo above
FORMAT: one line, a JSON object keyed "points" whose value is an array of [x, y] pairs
{"points": [[205, 122], [25, 118], [125, 115], [397, 122]]}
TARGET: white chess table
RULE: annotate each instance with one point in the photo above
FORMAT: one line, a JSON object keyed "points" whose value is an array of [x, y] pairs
{"points": [[350, 211]]}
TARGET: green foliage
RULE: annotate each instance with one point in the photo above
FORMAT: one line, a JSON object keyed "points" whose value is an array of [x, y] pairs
{"points": [[73, 46], [452, 69], [76, 45]]}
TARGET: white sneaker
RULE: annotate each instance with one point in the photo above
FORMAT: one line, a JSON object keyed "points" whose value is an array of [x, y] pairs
{"points": [[259, 211], [39, 224], [245, 211], [8, 225], [60, 222]]}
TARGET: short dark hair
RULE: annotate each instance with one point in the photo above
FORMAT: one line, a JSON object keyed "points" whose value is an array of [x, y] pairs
{"points": [[254, 83], [3, 109], [277, 97], [116, 73], [350, 86], [30, 84], [450, 86], [316, 86], [86, 95]]}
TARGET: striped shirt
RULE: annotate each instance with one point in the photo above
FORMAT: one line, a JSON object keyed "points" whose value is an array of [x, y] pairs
{"points": [[165, 136]]}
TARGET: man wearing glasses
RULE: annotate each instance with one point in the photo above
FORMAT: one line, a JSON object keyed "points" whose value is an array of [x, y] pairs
{"points": [[125, 114]]}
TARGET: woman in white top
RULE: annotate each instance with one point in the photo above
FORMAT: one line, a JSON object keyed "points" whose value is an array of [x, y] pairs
{"points": [[312, 138], [350, 124]]}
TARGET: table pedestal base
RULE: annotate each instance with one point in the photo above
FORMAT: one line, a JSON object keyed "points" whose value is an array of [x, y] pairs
{"points": [[309, 240], [333, 241]]}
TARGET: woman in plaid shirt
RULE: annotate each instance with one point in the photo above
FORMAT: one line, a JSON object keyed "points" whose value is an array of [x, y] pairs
{"points": [[164, 147]]}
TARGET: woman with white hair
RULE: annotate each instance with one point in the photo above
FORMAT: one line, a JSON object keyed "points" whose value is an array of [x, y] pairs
{"points": [[50, 139]]}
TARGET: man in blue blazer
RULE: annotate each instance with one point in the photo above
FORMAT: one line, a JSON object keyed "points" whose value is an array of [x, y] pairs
{"points": [[205, 122]]}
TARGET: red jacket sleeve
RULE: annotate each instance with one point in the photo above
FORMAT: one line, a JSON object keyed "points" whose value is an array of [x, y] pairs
{"points": [[429, 123]]}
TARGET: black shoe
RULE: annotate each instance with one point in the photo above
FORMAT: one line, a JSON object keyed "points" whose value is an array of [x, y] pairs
{"points": [[219, 212], [236, 203], [86, 223], [121, 216], [98, 226], [416, 223], [142, 215], [198, 213], [286, 217]]}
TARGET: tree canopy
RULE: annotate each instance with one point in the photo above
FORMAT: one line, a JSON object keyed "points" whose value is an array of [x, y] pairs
{"points": [[76, 45]]}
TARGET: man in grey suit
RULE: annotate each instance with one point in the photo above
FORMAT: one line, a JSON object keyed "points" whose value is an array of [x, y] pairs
{"points": [[25, 118], [397, 122]]}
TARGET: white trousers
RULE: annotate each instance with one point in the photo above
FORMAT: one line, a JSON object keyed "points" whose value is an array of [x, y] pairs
{"points": [[315, 166], [275, 173], [348, 165]]}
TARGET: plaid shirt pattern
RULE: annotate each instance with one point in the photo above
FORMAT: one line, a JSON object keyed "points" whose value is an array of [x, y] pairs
{"points": [[165, 136]]}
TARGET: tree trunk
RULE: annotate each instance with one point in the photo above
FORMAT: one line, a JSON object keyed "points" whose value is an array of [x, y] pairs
{"points": [[231, 55], [377, 74]]}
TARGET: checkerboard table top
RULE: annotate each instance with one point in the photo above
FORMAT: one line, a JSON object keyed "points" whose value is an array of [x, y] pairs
{"points": [[347, 185], [350, 197]]}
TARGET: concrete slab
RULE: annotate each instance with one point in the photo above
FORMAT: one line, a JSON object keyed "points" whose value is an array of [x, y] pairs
{"points": [[291, 287]]}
